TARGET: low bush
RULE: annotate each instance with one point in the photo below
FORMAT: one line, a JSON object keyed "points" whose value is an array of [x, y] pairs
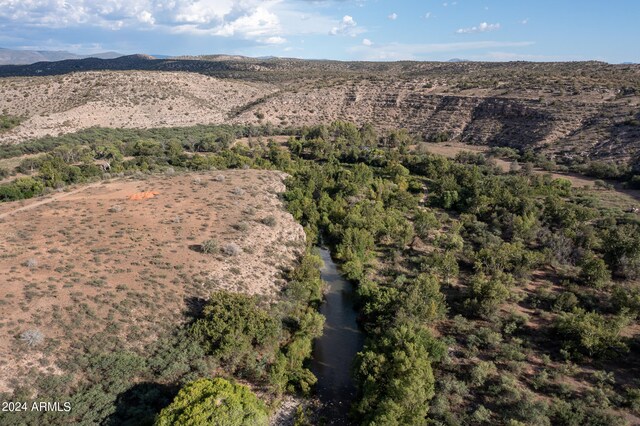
{"points": [[231, 249], [590, 333], [214, 402], [209, 246]]}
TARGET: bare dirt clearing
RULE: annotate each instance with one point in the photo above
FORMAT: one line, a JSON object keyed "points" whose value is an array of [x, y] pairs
{"points": [[93, 260]]}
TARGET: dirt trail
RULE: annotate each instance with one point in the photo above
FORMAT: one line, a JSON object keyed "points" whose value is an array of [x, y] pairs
{"points": [[48, 200]]}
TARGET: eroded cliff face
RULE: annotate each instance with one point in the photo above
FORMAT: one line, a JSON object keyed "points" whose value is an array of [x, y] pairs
{"points": [[603, 125]]}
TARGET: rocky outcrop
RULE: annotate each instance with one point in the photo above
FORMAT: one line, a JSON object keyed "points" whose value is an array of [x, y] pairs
{"points": [[593, 129]]}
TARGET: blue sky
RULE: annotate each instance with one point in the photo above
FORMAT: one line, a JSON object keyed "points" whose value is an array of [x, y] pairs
{"points": [[493, 30]]}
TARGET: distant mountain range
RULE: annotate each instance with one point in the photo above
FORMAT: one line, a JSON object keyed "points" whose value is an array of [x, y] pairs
{"points": [[26, 57]]}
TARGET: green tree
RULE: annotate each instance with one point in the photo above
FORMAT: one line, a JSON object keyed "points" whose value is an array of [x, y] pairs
{"points": [[368, 135], [214, 402], [355, 249], [54, 172], [395, 377], [423, 301], [594, 271], [145, 148], [591, 333], [396, 229], [305, 284], [29, 187], [295, 146], [424, 221], [486, 294], [234, 327], [21, 188], [444, 264], [621, 246]]}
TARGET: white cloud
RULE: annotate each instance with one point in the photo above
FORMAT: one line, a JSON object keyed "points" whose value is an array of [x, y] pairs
{"points": [[256, 22], [347, 26], [482, 28], [400, 51], [245, 19], [297, 21], [393, 16], [348, 21], [274, 40], [367, 42], [146, 17]]}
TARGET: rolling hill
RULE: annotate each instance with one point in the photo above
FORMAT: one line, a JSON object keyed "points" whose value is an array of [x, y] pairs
{"points": [[25, 57]]}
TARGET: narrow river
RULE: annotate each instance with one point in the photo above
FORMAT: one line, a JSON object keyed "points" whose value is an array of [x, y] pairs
{"points": [[333, 353]]}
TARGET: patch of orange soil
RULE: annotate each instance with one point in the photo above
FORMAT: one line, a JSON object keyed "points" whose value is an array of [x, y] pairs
{"points": [[143, 195]]}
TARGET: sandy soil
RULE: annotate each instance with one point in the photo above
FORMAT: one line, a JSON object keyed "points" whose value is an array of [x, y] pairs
{"points": [[90, 260]]}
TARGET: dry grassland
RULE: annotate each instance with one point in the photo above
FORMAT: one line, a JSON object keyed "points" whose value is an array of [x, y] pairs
{"points": [[106, 259]]}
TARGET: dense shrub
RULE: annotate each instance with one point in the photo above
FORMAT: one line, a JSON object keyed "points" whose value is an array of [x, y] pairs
{"points": [[594, 272], [481, 232], [235, 328], [21, 188], [604, 170], [487, 293], [8, 122], [209, 246], [621, 245], [303, 323], [395, 377], [425, 221], [590, 333], [214, 402]]}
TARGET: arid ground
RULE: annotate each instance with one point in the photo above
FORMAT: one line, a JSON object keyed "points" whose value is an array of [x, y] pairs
{"points": [[102, 258]]}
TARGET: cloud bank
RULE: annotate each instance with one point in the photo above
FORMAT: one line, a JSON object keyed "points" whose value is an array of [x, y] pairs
{"points": [[266, 21]]}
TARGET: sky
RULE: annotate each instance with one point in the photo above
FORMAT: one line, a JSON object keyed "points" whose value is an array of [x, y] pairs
{"points": [[482, 30]]}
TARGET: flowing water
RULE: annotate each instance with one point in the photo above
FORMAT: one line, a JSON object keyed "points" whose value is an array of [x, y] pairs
{"points": [[333, 353]]}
